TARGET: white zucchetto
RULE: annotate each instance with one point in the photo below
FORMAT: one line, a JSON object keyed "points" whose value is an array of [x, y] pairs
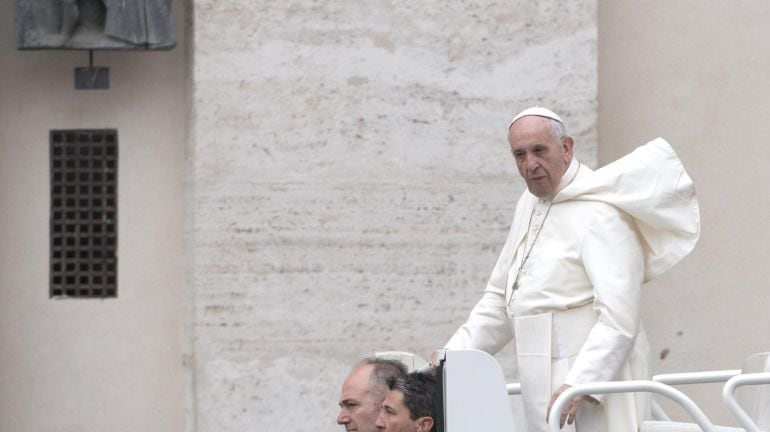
{"points": [[536, 111]]}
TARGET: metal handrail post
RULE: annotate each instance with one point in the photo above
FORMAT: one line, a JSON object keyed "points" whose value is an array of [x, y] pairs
{"points": [[728, 395]]}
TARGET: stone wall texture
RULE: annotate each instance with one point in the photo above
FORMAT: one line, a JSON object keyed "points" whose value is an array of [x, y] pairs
{"points": [[350, 182]]}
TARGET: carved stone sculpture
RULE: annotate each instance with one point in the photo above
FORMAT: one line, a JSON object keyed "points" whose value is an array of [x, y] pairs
{"points": [[94, 24]]}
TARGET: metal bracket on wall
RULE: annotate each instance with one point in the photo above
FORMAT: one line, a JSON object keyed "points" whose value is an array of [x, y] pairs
{"points": [[92, 77]]}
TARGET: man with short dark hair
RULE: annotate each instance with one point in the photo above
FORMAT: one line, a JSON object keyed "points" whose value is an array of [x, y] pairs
{"points": [[410, 405], [364, 390]]}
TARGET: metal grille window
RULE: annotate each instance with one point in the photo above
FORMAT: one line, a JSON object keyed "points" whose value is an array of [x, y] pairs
{"points": [[84, 213]]}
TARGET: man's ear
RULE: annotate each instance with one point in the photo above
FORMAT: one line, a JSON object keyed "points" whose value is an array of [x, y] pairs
{"points": [[424, 424], [567, 143]]}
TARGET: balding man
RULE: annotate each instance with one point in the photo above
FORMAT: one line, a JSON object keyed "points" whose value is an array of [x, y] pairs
{"points": [[567, 284], [364, 390]]}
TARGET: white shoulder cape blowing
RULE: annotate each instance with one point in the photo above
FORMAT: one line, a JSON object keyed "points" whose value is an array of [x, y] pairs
{"points": [[651, 185]]}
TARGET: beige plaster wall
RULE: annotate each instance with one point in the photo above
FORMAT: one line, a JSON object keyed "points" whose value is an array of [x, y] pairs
{"points": [[91, 365], [352, 184], [696, 73]]}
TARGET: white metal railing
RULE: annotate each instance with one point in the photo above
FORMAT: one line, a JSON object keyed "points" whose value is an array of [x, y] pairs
{"points": [[728, 395], [513, 388], [696, 377], [628, 386]]}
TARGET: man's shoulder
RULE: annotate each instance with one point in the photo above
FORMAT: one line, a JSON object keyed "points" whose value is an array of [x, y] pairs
{"points": [[590, 211], [590, 205]]}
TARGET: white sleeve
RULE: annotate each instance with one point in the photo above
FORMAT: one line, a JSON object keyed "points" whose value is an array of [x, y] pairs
{"points": [[488, 327], [614, 263]]}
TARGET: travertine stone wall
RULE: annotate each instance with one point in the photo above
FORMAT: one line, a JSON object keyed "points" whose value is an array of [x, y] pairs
{"points": [[351, 185]]}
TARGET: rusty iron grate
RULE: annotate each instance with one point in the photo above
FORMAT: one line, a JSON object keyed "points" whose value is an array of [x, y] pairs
{"points": [[84, 213]]}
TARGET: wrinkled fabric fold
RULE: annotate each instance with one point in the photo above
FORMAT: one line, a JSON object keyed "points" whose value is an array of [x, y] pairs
{"points": [[652, 186]]}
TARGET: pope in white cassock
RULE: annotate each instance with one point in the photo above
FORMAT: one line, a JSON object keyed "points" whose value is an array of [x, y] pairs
{"points": [[567, 285]]}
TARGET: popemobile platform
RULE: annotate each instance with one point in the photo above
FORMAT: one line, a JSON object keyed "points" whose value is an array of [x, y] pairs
{"points": [[475, 395]]}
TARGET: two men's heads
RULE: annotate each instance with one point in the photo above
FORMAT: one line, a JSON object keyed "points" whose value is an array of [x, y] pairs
{"points": [[378, 394], [541, 148]]}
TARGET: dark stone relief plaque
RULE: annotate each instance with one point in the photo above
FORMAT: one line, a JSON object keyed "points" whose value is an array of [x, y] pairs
{"points": [[94, 24]]}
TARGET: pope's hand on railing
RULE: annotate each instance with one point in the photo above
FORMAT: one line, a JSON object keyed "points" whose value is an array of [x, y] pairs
{"points": [[567, 414]]}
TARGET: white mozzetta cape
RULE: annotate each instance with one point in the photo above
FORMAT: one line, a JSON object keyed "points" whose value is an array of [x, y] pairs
{"points": [[575, 315]]}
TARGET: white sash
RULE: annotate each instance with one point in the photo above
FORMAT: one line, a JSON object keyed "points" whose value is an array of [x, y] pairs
{"points": [[546, 344]]}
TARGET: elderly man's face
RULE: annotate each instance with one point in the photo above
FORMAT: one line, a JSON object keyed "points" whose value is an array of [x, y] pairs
{"points": [[395, 416], [360, 402], [540, 157]]}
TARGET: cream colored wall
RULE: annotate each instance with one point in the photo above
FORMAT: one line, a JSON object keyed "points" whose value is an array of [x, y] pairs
{"points": [[352, 184], [93, 365], [696, 73]]}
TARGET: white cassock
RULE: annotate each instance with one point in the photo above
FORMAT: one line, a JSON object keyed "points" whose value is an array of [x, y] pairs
{"points": [[574, 315]]}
